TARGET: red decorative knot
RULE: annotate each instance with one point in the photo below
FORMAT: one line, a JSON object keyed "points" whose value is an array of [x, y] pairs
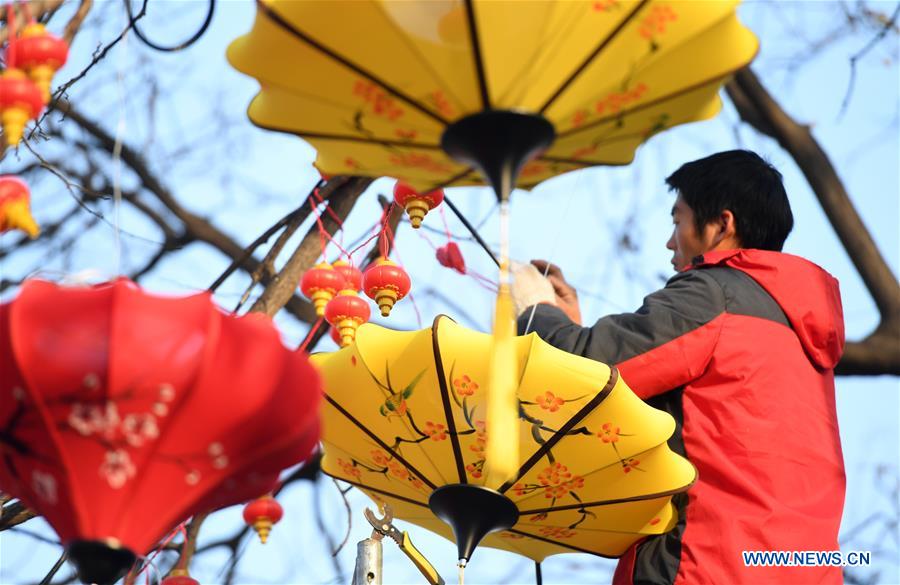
{"points": [[352, 275], [320, 283], [20, 101], [386, 283], [416, 204], [262, 513], [179, 577], [346, 312], [41, 54], [15, 212], [449, 255]]}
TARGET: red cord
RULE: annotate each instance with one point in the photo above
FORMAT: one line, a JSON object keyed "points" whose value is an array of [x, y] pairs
{"points": [[11, 34], [310, 335]]}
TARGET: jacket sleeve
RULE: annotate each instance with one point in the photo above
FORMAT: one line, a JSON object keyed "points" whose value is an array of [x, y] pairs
{"points": [[663, 345]]}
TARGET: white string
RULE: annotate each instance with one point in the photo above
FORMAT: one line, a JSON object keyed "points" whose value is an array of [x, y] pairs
{"points": [[117, 151], [556, 242]]}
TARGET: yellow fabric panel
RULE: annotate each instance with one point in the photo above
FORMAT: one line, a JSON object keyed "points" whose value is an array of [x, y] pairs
{"points": [[595, 484], [396, 73]]}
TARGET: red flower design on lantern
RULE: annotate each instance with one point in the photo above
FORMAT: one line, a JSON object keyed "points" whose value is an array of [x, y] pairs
{"points": [[629, 464], [397, 470], [608, 433], [556, 532], [436, 431], [464, 386], [380, 458], [549, 401], [656, 22]]}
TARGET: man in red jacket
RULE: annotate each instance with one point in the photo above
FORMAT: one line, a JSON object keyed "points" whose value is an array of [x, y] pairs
{"points": [[739, 347]]}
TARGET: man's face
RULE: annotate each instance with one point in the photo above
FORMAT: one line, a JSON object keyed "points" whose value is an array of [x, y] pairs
{"points": [[686, 242]]}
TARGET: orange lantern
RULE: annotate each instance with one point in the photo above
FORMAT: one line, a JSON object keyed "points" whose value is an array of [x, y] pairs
{"points": [[320, 283], [262, 513], [416, 204], [41, 54], [352, 275], [386, 283], [15, 213], [346, 312], [20, 101]]}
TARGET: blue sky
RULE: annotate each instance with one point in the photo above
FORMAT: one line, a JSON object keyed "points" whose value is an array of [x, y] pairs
{"points": [[248, 178]]}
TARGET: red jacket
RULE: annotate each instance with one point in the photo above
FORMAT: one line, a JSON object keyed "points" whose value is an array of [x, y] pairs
{"points": [[740, 349]]}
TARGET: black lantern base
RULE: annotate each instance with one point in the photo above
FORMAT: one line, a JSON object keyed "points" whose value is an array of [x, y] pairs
{"points": [[100, 562], [472, 512], [498, 143]]}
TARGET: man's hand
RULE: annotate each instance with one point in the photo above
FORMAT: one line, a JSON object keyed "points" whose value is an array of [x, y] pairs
{"points": [[566, 297], [529, 287]]}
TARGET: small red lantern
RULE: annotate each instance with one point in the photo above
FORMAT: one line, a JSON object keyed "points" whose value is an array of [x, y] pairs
{"points": [[416, 204], [20, 101], [41, 54], [179, 577], [346, 312], [386, 283], [352, 275], [123, 413], [15, 212], [262, 513], [320, 283], [449, 255]]}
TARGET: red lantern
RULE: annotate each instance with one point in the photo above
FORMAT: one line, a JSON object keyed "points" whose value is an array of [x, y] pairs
{"points": [[386, 282], [15, 209], [320, 283], [345, 313], [352, 275], [449, 255], [41, 54], [262, 513], [20, 101], [416, 204], [179, 577], [122, 413]]}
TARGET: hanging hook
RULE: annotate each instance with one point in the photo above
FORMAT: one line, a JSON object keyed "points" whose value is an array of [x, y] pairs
{"points": [[132, 19]]}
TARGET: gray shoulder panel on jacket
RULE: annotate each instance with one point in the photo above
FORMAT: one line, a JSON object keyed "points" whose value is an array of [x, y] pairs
{"points": [[745, 296]]}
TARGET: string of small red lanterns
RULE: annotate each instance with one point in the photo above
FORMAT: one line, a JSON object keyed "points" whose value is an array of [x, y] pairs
{"points": [[333, 288], [32, 59]]}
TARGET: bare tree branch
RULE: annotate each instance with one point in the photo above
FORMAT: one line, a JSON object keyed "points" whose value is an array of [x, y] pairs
{"points": [[879, 353]]}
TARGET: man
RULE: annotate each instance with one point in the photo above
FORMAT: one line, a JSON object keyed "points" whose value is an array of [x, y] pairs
{"points": [[739, 347]]}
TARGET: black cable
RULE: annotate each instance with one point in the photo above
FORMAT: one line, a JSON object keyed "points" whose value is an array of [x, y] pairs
{"points": [[538, 578], [471, 229], [196, 36]]}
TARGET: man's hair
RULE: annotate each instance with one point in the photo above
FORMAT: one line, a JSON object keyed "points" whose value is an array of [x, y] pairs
{"points": [[743, 183]]}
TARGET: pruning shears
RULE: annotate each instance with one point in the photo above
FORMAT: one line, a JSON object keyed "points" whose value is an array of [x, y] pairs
{"points": [[383, 527]]}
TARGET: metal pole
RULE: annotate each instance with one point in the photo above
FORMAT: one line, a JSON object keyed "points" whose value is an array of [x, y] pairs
{"points": [[368, 562]]}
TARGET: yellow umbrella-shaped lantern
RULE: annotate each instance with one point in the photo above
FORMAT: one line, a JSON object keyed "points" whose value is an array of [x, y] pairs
{"points": [[405, 421], [462, 92]]}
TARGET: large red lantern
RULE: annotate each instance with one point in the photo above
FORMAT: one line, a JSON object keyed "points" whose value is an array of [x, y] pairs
{"points": [[122, 413], [352, 275], [41, 54], [416, 204], [320, 283], [386, 283], [179, 577], [15, 206], [346, 312], [263, 513], [20, 101]]}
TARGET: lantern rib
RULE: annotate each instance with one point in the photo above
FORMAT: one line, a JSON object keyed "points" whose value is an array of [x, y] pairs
{"points": [[561, 544], [590, 58], [300, 35], [477, 56], [350, 138], [378, 440], [625, 112], [561, 433], [384, 493], [602, 503], [445, 400]]}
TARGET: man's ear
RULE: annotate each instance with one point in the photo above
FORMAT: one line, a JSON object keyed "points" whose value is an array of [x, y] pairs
{"points": [[726, 229]]}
